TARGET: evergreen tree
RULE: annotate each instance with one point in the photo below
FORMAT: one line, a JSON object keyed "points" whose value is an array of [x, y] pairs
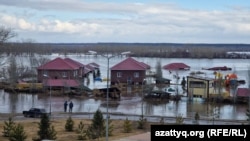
{"points": [[46, 131], [162, 120], [158, 70], [69, 126], [248, 115], [81, 131], [197, 118], [18, 133], [8, 127], [142, 122], [127, 126], [179, 119], [97, 128], [111, 128]]}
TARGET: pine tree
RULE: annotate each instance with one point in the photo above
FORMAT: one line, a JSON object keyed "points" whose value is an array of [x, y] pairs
{"points": [[111, 128], [162, 120], [197, 118], [69, 126], [46, 131], [179, 119], [142, 122], [18, 133], [81, 131], [127, 126], [8, 127], [248, 115], [97, 128]]}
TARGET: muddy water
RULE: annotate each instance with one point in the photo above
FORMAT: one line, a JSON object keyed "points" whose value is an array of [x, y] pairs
{"points": [[132, 104], [16, 103]]}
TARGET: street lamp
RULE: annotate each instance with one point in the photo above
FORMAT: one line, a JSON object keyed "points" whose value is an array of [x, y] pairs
{"points": [[142, 97], [45, 75], [107, 94]]}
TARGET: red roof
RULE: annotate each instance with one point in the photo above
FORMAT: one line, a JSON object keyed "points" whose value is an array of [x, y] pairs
{"points": [[74, 62], [129, 64], [146, 65], [176, 66], [220, 68], [94, 65], [60, 82], [243, 92], [89, 67], [59, 64]]}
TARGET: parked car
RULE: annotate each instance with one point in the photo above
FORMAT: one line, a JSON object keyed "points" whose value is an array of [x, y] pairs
{"points": [[35, 112]]}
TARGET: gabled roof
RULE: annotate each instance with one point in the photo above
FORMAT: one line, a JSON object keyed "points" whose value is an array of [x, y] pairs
{"points": [[176, 66], [93, 64], [69, 60], [129, 64], [59, 64], [89, 67], [61, 83], [146, 65]]}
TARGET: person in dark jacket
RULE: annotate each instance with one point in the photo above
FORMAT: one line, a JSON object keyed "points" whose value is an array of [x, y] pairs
{"points": [[71, 106], [65, 106]]}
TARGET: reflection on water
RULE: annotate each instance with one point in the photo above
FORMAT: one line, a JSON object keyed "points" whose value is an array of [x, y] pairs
{"points": [[131, 104], [16, 103]]}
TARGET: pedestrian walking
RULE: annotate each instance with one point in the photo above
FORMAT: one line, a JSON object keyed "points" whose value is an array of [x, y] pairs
{"points": [[71, 106], [65, 106]]}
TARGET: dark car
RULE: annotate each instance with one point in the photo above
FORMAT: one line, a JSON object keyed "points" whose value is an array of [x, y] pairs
{"points": [[35, 112]]}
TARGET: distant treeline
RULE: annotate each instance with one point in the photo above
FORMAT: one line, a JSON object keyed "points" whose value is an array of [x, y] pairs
{"points": [[164, 50]]}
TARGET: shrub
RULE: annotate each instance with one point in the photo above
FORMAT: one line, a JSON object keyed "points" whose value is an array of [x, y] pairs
{"points": [[69, 126]]}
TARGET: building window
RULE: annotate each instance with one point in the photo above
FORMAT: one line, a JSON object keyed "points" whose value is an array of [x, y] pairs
{"points": [[75, 73], [64, 74], [45, 73], [136, 74], [119, 74], [197, 84]]}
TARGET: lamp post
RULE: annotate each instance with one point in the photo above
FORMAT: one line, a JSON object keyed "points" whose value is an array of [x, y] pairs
{"points": [[107, 94], [142, 97], [45, 75]]}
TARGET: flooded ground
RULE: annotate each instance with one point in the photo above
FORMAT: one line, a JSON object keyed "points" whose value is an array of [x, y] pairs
{"points": [[16, 103], [132, 103]]}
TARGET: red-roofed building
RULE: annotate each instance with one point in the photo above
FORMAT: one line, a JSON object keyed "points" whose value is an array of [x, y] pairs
{"points": [[243, 94], [128, 71], [176, 66], [63, 72]]}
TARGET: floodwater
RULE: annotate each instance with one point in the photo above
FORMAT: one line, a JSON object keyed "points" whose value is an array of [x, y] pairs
{"points": [[132, 103]]}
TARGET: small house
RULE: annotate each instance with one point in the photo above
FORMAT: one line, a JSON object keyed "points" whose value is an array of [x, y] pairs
{"points": [[60, 73], [128, 71], [199, 86], [176, 66], [243, 95]]}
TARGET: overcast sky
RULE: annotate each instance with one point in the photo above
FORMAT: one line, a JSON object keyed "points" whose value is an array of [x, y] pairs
{"points": [[130, 21]]}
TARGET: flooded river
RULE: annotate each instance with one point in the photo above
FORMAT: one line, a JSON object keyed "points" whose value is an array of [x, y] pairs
{"points": [[132, 103], [16, 103]]}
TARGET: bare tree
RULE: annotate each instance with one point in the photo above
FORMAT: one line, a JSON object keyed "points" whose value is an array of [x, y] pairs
{"points": [[6, 34], [12, 72]]}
